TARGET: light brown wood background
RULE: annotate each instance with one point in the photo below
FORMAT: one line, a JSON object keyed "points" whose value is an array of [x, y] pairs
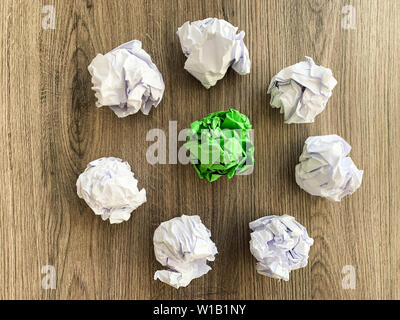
{"points": [[50, 130]]}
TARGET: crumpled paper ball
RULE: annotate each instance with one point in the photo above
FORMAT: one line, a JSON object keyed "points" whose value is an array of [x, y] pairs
{"points": [[301, 91], [126, 80], [183, 245], [211, 47], [110, 189], [280, 244], [325, 170], [220, 144]]}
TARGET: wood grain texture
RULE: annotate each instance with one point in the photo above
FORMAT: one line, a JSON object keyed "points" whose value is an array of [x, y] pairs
{"points": [[50, 130]]}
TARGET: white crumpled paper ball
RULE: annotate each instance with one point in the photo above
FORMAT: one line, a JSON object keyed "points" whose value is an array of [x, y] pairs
{"points": [[280, 244], [211, 47], [110, 189], [126, 80], [183, 245], [301, 91], [325, 170]]}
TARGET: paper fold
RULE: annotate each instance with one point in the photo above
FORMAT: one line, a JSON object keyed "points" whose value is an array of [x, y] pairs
{"points": [[280, 244], [211, 47], [325, 170], [109, 188], [183, 245], [126, 80], [301, 91]]}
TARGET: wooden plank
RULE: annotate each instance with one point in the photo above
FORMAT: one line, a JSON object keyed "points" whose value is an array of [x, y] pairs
{"points": [[50, 130]]}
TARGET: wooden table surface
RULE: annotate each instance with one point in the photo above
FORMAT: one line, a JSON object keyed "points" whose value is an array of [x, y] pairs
{"points": [[50, 130]]}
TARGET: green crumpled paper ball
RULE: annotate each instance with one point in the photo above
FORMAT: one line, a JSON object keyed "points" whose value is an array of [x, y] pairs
{"points": [[220, 144]]}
